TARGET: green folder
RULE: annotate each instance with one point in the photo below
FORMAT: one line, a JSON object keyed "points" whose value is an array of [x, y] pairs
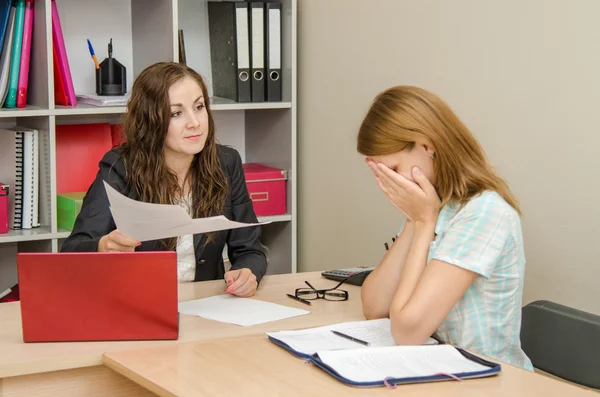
{"points": [[15, 62]]}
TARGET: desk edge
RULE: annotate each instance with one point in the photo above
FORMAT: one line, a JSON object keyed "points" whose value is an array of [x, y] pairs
{"points": [[135, 377]]}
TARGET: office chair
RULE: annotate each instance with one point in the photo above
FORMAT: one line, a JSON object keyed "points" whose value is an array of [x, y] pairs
{"points": [[562, 341]]}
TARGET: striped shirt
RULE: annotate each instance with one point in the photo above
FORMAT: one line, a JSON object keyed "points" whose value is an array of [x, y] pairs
{"points": [[484, 237]]}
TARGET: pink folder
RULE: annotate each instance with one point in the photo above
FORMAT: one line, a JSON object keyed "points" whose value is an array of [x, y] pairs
{"points": [[61, 53], [25, 55]]}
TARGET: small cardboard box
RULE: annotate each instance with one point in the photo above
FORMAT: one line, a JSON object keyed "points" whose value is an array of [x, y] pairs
{"points": [[68, 207]]}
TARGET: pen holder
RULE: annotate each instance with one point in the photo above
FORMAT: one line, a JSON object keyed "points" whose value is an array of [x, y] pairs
{"points": [[111, 78]]}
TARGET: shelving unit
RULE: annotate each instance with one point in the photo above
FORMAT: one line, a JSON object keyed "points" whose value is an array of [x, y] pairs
{"points": [[145, 32]]}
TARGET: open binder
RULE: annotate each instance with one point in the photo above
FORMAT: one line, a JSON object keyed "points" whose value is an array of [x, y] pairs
{"points": [[402, 365], [377, 360]]}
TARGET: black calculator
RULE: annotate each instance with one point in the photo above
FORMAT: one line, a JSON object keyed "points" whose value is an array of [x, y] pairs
{"points": [[341, 274]]}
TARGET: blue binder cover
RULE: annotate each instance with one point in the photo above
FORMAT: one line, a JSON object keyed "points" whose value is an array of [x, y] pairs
{"points": [[6, 56], [15, 62], [288, 348], [4, 13]]}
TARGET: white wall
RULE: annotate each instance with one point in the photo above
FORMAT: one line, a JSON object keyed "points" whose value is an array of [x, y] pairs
{"points": [[98, 21], [525, 78]]}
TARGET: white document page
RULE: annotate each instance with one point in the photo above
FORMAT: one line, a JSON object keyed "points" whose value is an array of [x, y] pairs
{"points": [[376, 364], [241, 311], [309, 341], [145, 221]]}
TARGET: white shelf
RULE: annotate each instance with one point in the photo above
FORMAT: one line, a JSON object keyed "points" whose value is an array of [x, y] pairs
{"points": [[84, 109], [39, 233], [218, 103], [28, 111], [275, 218], [43, 232]]}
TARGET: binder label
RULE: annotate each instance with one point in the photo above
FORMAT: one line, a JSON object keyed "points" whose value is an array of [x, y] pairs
{"points": [[258, 41], [275, 39], [243, 49]]}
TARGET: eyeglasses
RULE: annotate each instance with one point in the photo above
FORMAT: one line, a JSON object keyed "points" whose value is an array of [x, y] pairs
{"points": [[330, 294]]}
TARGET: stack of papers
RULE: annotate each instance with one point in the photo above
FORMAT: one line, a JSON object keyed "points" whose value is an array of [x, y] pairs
{"points": [[309, 341], [145, 221], [103, 100], [240, 311]]}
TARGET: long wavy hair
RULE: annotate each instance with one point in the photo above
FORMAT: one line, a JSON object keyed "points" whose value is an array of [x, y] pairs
{"points": [[400, 115], [145, 129]]}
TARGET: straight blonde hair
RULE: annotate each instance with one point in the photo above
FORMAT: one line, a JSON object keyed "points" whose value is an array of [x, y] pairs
{"points": [[402, 114]]}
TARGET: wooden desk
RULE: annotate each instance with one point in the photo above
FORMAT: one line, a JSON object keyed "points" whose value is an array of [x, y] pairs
{"points": [[76, 368], [253, 366]]}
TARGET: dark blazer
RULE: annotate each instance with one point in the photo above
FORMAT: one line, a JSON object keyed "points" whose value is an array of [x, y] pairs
{"points": [[243, 245]]}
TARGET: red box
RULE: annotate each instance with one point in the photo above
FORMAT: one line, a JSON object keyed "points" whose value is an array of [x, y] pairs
{"points": [[266, 187], [3, 207]]}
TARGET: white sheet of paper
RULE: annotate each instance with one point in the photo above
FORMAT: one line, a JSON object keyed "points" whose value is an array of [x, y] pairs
{"points": [[145, 221], [372, 365], [309, 341], [241, 311]]}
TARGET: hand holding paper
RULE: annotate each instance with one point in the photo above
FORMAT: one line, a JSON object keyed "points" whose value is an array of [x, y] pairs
{"points": [[145, 221]]}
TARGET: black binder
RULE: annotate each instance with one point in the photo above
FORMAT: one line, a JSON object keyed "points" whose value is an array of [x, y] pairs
{"points": [[257, 50], [230, 50], [273, 50]]}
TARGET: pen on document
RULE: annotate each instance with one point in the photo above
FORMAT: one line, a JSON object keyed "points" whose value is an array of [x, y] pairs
{"points": [[93, 54], [353, 339], [299, 299], [387, 247]]}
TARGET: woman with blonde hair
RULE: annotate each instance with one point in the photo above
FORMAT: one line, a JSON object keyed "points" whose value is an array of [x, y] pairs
{"points": [[457, 268]]}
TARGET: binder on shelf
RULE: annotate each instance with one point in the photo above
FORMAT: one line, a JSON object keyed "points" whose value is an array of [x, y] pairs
{"points": [[18, 199], [257, 49], [26, 170], [230, 50], [6, 55], [4, 18], [35, 185], [25, 55], [273, 53], [61, 55], [79, 149], [30, 183], [60, 96], [15, 62]]}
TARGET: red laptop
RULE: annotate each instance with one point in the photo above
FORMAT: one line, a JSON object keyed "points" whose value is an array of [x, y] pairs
{"points": [[92, 296]]}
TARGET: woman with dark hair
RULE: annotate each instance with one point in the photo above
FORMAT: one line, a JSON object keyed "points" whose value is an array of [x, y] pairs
{"points": [[170, 156]]}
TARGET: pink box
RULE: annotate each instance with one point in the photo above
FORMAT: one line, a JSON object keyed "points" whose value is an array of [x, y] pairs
{"points": [[266, 187], [3, 207]]}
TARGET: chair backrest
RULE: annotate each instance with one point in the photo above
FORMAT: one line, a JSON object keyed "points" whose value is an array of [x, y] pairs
{"points": [[562, 341]]}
